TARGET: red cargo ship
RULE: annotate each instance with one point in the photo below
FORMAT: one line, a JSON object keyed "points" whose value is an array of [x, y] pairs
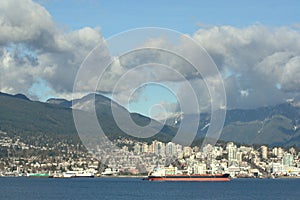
{"points": [[177, 175]]}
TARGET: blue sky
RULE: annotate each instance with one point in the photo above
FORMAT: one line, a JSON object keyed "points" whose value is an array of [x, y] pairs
{"points": [[152, 95], [184, 16]]}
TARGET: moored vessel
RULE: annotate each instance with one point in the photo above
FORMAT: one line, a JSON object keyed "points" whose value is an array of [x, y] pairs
{"points": [[39, 175], [78, 174]]}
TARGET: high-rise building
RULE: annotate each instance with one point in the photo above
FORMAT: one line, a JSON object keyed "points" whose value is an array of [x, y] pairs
{"points": [[264, 152], [187, 151], [178, 148], [231, 153], [239, 156], [170, 149], [230, 144], [287, 159], [179, 151], [151, 148], [292, 150], [158, 147], [145, 148], [232, 150], [137, 148], [280, 152], [275, 151]]}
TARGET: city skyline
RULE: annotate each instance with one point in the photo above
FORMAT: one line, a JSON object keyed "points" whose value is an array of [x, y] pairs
{"points": [[139, 158]]}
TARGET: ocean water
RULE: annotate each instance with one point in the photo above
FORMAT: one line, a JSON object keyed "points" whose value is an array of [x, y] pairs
{"points": [[135, 188]]}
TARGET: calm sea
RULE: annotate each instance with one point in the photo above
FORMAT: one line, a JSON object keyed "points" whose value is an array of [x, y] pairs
{"points": [[135, 188]]}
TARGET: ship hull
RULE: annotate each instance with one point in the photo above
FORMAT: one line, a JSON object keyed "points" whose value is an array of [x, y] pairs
{"points": [[209, 178]]}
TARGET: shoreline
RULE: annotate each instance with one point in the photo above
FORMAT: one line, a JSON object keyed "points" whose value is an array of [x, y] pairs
{"points": [[143, 177]]}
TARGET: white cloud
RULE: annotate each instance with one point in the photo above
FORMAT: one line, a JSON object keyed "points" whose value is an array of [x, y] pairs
{"points": [[32, 47], [258, 59], [25, 22]]}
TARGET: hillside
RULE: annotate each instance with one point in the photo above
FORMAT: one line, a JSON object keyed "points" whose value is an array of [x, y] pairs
{"points": [[19, 115]]}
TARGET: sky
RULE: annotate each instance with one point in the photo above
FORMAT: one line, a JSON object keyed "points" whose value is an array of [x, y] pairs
{"points": [[255, 45], [187, 17]]}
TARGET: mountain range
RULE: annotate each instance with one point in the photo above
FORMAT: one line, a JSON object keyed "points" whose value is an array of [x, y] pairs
{"points": [[272, 125]]}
